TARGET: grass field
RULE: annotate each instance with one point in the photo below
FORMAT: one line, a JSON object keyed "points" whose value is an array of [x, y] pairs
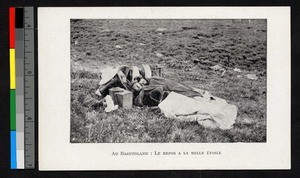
{"points": [[187, 49]]}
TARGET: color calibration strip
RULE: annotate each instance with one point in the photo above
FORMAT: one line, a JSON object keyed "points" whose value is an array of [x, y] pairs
{"points": [[21, 51], [12, 65]]}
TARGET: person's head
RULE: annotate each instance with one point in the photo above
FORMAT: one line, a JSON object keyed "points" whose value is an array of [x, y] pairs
{"points": [[137, 86], [141, 80]]}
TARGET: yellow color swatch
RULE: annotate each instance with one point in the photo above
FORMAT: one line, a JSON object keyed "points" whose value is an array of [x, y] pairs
{"points": [[12, 66]]}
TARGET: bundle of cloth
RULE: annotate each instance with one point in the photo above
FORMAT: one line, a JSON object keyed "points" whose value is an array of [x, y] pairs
{"points": [[174, 99]]}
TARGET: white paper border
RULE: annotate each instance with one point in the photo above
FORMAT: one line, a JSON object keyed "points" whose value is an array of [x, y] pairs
{"points": [[57, 153]]}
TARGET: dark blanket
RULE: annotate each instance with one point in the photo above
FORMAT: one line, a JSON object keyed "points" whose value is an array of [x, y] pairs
{"points": [[157, 90], [169, 85]]}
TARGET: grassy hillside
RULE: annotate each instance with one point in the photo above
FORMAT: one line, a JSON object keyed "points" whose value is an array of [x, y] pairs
{"points": [[187, 49]]}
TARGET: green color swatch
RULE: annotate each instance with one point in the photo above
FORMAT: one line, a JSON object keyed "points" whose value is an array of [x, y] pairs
{"points": [[12, 110]]}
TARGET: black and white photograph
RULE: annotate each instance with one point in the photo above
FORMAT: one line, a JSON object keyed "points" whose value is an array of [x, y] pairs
{"points": [[168, 80], [164, 88]]}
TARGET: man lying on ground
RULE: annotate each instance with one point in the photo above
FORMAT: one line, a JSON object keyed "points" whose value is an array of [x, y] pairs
{"points": [[174, 99], [154, 90], [150, 91]]}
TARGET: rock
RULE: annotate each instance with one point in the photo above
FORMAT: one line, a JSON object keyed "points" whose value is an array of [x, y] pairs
{"points": [[76, 42], [196, 61], [239, 76], [142, 44], [247, 121], [118, 46], [159, 54], [160, 34], [237, 70], [252, 76], [216, 67], [106, 30], [161, 29]]}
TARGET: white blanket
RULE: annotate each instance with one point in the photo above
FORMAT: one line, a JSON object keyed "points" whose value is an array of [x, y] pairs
{"points": [[208, 111]]}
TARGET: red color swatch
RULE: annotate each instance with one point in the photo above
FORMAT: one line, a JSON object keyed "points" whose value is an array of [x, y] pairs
{"points": [[11, 27]]}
